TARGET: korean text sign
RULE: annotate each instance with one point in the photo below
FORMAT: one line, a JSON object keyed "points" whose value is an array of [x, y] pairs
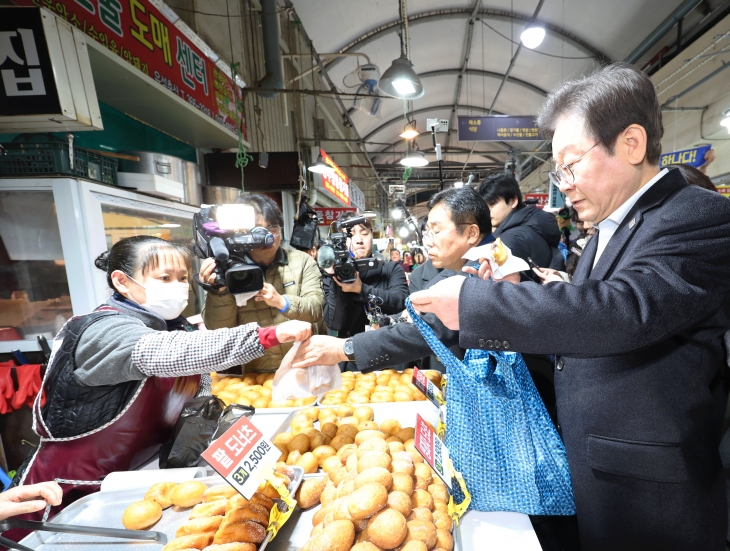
{"points": [[495, 128], [327, 215], [239, 454], [27, 85], [337, 184], [693, 157], [432, 449], [143, 36]]}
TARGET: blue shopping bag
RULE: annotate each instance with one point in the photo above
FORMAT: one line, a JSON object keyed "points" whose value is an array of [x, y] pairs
{"points": [[499, 434]]}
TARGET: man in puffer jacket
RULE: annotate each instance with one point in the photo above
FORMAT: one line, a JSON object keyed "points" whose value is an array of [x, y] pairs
{"points": [[292, 287], [528, 231]]}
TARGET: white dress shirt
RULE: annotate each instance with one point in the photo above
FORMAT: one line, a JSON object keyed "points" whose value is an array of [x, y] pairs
{"points": [[608, 227]]}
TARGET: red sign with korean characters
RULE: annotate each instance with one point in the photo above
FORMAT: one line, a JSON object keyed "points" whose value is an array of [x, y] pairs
{"points": [[338, 184], [542, 199], [143, 36], [240, 455], [432, 450], [430, 390], [326, 215]]}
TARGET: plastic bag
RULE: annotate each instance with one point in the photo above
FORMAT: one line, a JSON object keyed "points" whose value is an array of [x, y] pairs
{"points": [[291, 383], [194, 432]]}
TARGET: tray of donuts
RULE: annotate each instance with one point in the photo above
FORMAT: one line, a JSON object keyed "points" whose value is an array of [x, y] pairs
{"points": [[311, 437], [204, 513], [380, 496], [384, 386]]}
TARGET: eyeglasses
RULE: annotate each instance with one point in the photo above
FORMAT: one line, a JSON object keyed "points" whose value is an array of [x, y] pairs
{"points": [[564, 173], [274, 230], [432, 236]]}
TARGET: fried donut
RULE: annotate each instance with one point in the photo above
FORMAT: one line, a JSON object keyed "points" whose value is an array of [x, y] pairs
{"points": [[241, 532], [140, 515], [309, 492], [339, 535], [260, 499], [231, 547], [188, 493], [235, 502], [499, 252], [160, 493], [214, 493], [197, 541], [202, 525], [210, 509], [251, 511], [387, 529], [367, 500]]}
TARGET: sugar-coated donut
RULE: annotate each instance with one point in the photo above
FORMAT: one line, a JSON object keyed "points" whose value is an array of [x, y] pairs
{"points": [[235, 502], [202, 525], [309, 492], [387, 529], [231, 547], [214, 493], [210, 509], [197, 541], [242, 532], [367, 500], [140, 515], [338, 535], [250, 511], [260, 499], [188, 493]]}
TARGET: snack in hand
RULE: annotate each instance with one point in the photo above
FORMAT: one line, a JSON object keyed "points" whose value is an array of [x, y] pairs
{"points": [[499, 252]]}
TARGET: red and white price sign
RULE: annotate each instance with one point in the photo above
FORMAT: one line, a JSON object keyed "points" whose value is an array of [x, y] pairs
{"points": [[426, 386], [432, 450], [240, 455]]}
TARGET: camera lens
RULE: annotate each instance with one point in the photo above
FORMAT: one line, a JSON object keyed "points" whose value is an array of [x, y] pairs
{"points": [[244, 278], [345, 271]]}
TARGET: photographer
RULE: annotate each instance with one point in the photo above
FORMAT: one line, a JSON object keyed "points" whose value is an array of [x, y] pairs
{"points": [[292, 286], [347, 305]]}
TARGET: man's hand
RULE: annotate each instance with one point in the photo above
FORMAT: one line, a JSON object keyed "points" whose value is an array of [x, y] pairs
{"points": [[293, 330], [354, 287], [442, 299], [271, 297], [206, 274], [485, 272], [320, 350], [29, 499], [548, 275]]}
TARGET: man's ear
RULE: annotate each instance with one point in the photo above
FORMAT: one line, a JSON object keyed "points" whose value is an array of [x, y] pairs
{"points": [[514, 202], [633, 141], [474, 234]]}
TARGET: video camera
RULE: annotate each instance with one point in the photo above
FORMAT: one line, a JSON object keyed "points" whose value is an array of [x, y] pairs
{"points": [[338, 255], [225, 233]]}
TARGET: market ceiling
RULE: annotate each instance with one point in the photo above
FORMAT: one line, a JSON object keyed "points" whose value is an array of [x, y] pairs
{"points": [[462, 50]]}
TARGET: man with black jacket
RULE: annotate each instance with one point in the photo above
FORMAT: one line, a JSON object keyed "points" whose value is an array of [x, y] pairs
{"points": [[528, 231], [348, 304]]}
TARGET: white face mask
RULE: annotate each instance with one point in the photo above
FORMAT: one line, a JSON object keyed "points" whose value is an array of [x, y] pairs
{"points": [[167, 300]]}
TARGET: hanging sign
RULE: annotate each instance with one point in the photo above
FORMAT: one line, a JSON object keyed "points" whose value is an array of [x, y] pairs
{"points": [[327, 215], [337, 184], [542, 199], [693, 157], [432, 449], [357, 197], [242, 456], [143, 36], [426, 386], [497, 128]]}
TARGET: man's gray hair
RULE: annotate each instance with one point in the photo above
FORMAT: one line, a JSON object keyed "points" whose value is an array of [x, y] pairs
{"points": [[609, 101]]}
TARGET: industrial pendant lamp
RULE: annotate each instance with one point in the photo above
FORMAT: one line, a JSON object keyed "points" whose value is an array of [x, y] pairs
{"points": [[415, 159], [320, 167], [400, 80]]}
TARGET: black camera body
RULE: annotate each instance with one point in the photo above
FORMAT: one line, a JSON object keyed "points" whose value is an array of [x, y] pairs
{"points": [[345, 266], [227, 247]]}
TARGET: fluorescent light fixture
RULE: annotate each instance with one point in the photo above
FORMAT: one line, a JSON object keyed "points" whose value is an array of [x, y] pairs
{"points": [[410, 134], [320, 167], [401, 81], [726, 121], [458, 184], [416, 158], [370, 214], [403, 232], [532, 37], [396, 213], [169, 226], [235, 217]]}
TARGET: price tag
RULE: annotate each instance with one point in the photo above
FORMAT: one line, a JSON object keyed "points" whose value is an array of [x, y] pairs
{"points": [[432, 450], [427, 387], [242, 456]]}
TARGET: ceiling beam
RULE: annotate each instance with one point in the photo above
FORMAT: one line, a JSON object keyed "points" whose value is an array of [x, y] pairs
{"points": [[489, 74], [461, 13]]}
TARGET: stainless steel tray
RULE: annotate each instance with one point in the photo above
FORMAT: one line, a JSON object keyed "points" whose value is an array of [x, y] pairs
{"points": [[106, 509]]}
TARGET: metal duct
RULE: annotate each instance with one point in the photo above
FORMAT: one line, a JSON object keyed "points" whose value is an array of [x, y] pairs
{"points": [[272, 53]]}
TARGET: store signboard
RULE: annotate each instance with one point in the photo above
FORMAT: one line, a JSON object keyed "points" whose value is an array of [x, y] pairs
{"points": [[724, 191], [241, 456], [497, 128], [142, 35], [357, 197], [430, 390], [432, 449], [338, 183], [542, 199], [693, 157], [26, 70], [327, 215]]}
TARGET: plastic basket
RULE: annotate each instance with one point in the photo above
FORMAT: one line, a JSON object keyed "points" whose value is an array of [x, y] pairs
{"points": [[33, 159]]}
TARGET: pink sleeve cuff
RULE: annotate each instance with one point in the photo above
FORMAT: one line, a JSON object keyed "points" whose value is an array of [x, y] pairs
{"points": [[267, 337]]}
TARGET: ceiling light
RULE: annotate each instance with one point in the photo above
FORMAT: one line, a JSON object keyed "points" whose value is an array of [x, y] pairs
{"points": [[403, 232], [320, 167], [169, 226], [401, 81], [458, 184], [410, 133], [726, 121], [416, 158], [396, 213], [532, 37], [370, 214]]}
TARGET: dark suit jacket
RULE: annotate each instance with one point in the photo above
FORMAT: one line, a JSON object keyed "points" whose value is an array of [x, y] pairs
{"points": [[640, 376]]}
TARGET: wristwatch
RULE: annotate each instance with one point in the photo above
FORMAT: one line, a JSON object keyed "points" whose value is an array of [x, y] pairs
{"points": [[349, 349]]}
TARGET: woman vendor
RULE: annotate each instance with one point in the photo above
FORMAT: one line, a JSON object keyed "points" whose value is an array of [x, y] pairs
{"points": [[118, 377]]}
